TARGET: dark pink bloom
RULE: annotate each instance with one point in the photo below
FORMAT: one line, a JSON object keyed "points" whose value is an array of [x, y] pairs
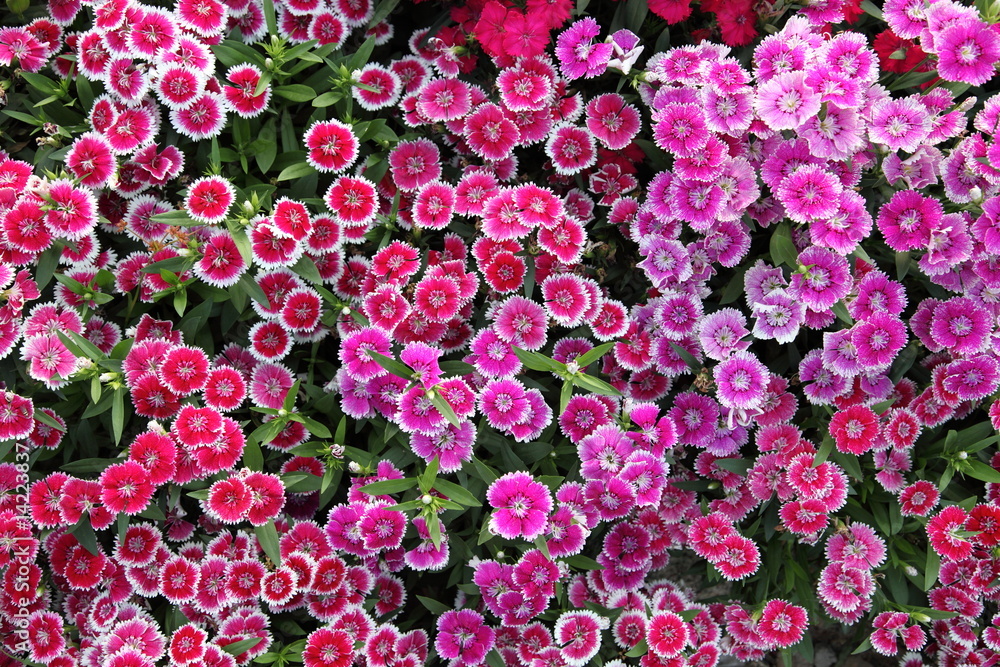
{"points": [[332, 145], [521, 506]]}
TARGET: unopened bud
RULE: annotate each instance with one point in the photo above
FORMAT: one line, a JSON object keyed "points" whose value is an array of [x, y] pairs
{"points": [[427, 499], [354, 467], [345, 311], [963, 455]]}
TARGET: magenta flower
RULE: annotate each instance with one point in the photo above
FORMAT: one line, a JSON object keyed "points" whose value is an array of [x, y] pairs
{"points": [[786, 101], [826, 280], [462, 634], [209, 198], [414, 163], [779, 316], [331, 144], [809, 193], [571, 149], [680, 129], [967, 51], [899, 124], [578, 55], [961, 324], [613, 122], [908, 219], [579, 635], [741, 380], [782, 624], [522, 322], [878, 340], [521, 506]]}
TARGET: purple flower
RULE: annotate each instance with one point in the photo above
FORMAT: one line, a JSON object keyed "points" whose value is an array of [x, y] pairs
{"points": [[786, 102], [696, 417], [779, 316], [463, 635], [666, 260], [741, 380], [578, 55], [603, 452], [677, 314], [503, 402], [820, 384], [680, 129], [826, 279], [721, 333], [846, 227], [839, 353], [961, 325], [878, 340], [967, 51], [521, 506], [809, 193], [906, 220], [899, 124], [877, 294], [451, 445], [973, 378]]}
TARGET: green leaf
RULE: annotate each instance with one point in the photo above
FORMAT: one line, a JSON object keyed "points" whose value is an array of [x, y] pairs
{"points": [[426, 480], [581, 562], [295, 92], [397, 368], [783, 250], [315, 427], [432, 605], [564, 395], [241, 646], [484, 472], [174, 219], [253, 457], [46, 419], [118, 413], [296, 171], [47, 263], [738, 466], [494, 659], [932, 567], [434, 529], [360, 57], [975, 468], [153, 512], [456, 492], [590, 383], [301, 482], [592, 355], [269, 17], [87, 466], [689, 359], [869, 8], [638, 650], [840, 310], [824, 451], [452, 368], [539, 362], [327, 99], [382, 11], [267, 535], [306, 268], [84, 533], [444, 407], [388, 486]]}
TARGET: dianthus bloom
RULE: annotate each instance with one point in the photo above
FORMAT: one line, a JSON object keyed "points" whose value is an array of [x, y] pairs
{"points": [[463, 635], [781, 624], [521, 504], [967, 51], [578, 55], [946, 533], [332, 145], [786, 101], [741, 380], [854, 428]]}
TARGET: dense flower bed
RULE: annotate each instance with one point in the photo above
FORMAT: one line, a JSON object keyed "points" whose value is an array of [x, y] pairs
{"points": [[398, 333]]}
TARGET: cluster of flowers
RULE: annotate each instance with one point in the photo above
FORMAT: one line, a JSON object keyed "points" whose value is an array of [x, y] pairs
{"points": [[789, 139]]}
